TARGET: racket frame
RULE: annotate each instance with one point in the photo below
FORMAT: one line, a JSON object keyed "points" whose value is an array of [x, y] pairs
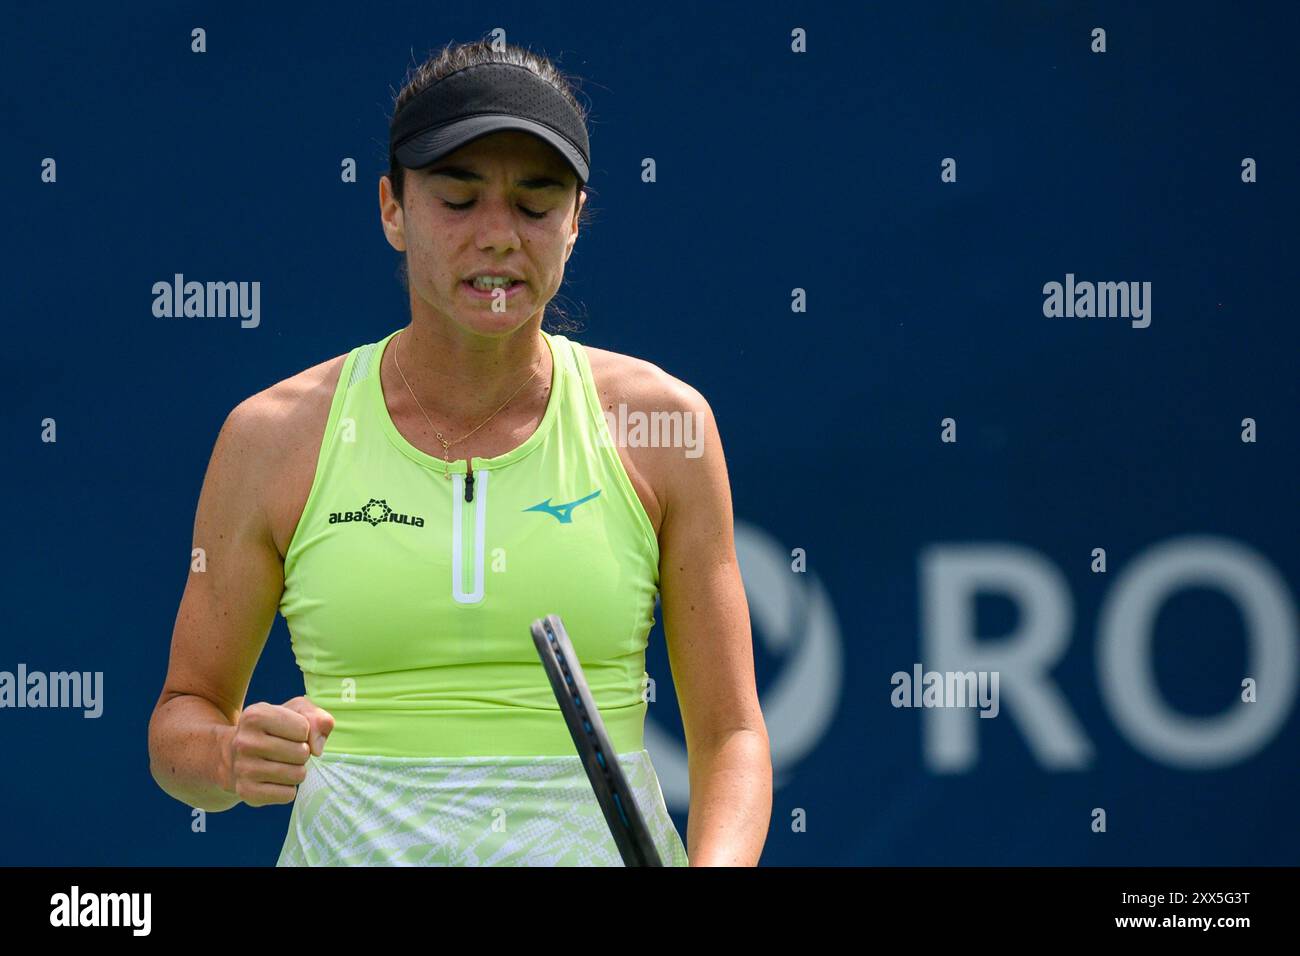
{"points": [[599, 759]]}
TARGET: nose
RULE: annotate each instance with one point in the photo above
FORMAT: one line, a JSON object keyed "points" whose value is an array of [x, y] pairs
{"points": [[495, 223]]}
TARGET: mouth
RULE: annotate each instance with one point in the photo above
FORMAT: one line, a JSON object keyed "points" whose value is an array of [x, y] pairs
{"points": [[487, 288]]}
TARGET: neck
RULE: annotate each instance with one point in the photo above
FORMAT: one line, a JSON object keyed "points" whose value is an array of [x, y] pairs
{"points": [[461, 378]]}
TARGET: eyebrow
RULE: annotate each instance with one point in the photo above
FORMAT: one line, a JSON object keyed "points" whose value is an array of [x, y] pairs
{"points": [[464, 175]]}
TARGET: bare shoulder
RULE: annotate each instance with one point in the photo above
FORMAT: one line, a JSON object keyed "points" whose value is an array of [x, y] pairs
{"points": [[661, 425], [279, 430], [626, 378]]}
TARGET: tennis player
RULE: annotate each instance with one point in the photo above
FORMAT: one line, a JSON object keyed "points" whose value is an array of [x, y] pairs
{"points": [[412, 505]]}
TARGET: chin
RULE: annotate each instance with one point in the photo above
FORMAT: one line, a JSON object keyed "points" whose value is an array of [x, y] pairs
{"points": [[487, 322]]}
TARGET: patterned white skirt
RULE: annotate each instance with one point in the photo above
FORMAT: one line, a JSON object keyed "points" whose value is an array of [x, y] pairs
{"points": [[355, 810]]}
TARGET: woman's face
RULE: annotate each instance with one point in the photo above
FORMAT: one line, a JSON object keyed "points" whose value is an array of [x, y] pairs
{"points": [[500, 205]]}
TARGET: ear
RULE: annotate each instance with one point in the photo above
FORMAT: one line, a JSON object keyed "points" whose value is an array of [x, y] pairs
{"points": [[573, 232], [391, 216]]}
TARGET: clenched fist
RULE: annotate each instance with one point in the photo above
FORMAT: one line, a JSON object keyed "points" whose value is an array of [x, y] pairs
{"points": [[268, 752]]}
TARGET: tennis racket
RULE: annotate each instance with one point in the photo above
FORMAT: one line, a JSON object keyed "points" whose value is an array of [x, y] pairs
{"points": [[598, 757]]}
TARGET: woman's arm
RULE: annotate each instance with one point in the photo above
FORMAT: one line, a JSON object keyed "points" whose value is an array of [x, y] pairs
{"points": [[225, 615], [710, 648]]}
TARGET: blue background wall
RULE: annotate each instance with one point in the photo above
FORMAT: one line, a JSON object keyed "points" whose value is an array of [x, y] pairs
{"points": [[776, 170]]}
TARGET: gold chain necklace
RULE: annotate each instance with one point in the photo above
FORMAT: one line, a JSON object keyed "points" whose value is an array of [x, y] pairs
{"points": [[447, 444]]}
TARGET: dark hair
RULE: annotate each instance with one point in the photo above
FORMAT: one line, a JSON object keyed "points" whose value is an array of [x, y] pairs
{"points": [[458, 56]]}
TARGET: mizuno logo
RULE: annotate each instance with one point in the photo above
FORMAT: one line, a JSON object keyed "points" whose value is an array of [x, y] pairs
{"points": [[562, 513]]}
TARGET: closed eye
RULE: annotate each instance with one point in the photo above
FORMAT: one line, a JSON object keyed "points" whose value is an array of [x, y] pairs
{"points": [[465, 205]]}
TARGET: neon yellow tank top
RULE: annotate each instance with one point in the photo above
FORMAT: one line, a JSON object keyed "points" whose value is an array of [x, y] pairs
{"points": [[408, 607]]}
